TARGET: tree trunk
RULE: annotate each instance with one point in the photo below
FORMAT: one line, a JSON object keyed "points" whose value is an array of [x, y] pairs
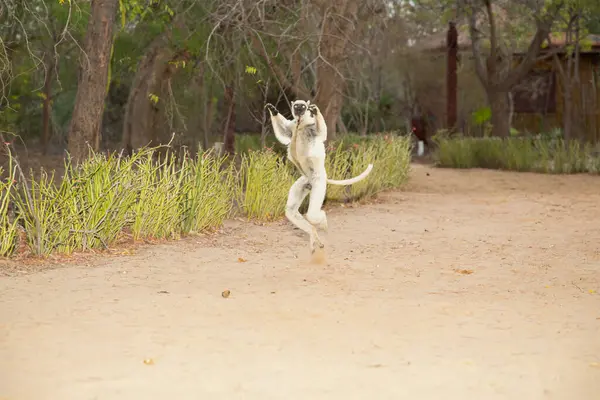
{"points": [[329, 99], [451, 77], [365, 123], [145, 122], [497, 73], [264, 123], [209, 111], [91, 90], [46, 106], [567, 115], [500, 113], [338, 25], [138, 126], [229, 124]]}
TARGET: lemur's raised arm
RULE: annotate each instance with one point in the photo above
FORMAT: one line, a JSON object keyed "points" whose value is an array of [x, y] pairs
{"points": [[282, 127], [320, 122]]}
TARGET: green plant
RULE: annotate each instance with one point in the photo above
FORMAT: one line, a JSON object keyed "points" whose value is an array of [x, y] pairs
{"points": [[247, 141], [8, 228], [160, 195], [156, 213], [265, 181], [541, 153], [208, 189], [337, 165], [394, 162], [46, 218], [481, 115], [361, 157]]}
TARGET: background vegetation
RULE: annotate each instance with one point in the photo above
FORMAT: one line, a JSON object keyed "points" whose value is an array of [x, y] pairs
{"points": [[155, 194], [123, 78]]}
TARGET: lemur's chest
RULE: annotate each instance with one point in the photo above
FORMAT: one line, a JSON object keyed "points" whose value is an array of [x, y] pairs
{"points": [[298, 150]]}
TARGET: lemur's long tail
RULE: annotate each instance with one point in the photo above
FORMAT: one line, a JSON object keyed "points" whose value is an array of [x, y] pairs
{"points": [[346, 182]]}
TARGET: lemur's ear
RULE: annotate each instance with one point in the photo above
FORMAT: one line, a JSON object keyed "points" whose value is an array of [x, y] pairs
{"points": [[307, 103]]}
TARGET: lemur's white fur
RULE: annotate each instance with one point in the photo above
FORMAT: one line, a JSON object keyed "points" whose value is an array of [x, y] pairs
{"points": [[304, 137]]}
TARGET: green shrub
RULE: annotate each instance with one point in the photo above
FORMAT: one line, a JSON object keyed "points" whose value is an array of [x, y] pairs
{"points": [[542, 153], [157, 212], [265, 182], [87, 210], [251, 142], [338, 166], [209, 187], [160, 195], [45, 214], [390, 156], [8, 228]]}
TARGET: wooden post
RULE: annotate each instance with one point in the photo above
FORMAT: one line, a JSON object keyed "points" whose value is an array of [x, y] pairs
{"points": [[451, 77]]}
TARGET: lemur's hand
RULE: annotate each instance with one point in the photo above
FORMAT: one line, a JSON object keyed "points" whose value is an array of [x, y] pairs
{"points": [[314, 110], [271, 109]]}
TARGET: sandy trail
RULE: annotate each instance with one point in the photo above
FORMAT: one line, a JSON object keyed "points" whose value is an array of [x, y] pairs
{"points": [[466, 285]]}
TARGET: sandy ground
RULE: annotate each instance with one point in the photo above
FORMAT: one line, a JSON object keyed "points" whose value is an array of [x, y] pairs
{"points": [[465, 285]]}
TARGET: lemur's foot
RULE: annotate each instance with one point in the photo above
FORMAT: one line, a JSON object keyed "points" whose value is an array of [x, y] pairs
{"points": [[317, 253], [316, 244], [271, 109]]}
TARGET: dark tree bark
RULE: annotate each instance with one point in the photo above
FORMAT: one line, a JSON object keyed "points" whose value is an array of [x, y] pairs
{"points": [[500, 109], [46, 105], [569, 79], [93, 79], [204, 119], [451, 77], [144, 117], [229, 123], [145, 121]]}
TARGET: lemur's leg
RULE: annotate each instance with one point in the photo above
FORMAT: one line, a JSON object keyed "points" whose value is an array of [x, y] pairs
{"points": [[318, 181], [296, 195], [321, 125], [282, 127]]}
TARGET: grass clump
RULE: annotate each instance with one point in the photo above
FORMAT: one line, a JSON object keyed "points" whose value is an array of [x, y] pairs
{"points": [[160, 195], [8, 225], [389, 154], [209, 187], [88, 210], [266, 178], [524, 154], [45, 215], [338, 164], [156, 213]]}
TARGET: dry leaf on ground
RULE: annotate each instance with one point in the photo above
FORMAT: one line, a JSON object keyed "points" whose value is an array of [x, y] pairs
{"points": [[464, 271]]}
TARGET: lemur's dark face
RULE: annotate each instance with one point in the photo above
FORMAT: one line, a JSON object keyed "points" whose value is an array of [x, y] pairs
{"points": [[299, 107]]}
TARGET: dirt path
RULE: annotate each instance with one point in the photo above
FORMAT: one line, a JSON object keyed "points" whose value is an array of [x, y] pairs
{"points": [[467, 285]]}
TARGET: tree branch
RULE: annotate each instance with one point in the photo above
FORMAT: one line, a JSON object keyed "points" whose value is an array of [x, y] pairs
{"points": [[477, 54], [532, 55], [299, 90]]}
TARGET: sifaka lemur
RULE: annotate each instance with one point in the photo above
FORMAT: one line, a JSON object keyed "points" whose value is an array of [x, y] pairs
{"points": [[305, 137]]}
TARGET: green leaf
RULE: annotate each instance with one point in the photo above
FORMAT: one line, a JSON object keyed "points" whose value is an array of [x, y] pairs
{"points": [[123, 13], [153, 98], [482, 115]]}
